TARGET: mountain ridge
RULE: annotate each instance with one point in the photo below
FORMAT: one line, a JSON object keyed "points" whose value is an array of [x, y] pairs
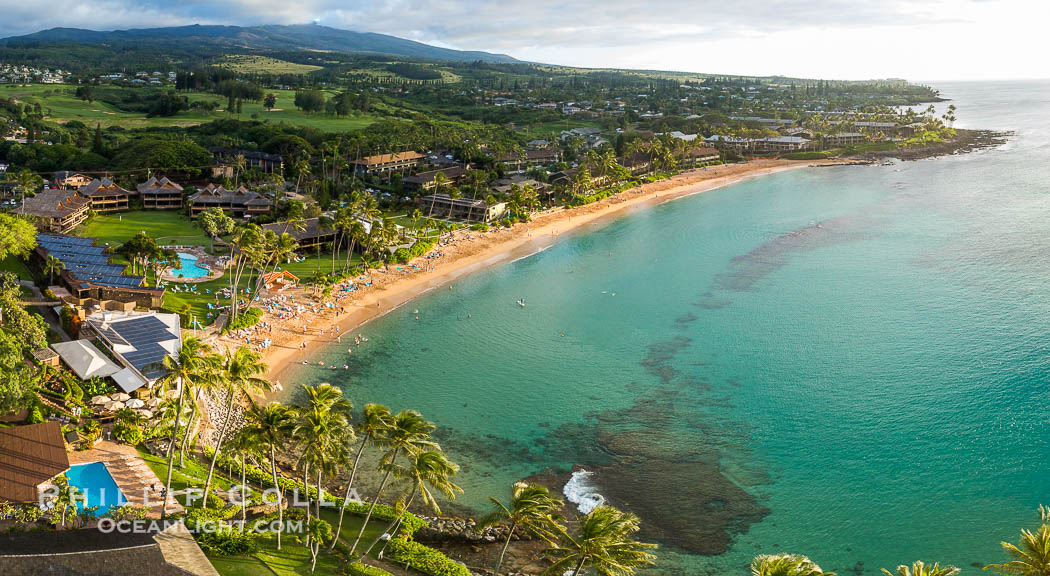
{"points": [[264, 37]]}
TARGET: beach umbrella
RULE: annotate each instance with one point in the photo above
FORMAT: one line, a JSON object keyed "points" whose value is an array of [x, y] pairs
{"points": [[100, 400], [113, 405], [153, 402], [135, 403], [121, 397], [145, 414]]}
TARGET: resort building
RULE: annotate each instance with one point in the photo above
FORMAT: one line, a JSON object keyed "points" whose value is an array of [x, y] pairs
{"points": [[506, 185], [139, 341], [426, 181], [388, 163], [106, 196], [70, 180], [639, 163], [239, 203], [782, 144], [267, 163], [844, 139], [699, 156], [160, 194], [461, 208], [544, 157], [90, 278], [30, 458], [58, 211], [308, 234]]}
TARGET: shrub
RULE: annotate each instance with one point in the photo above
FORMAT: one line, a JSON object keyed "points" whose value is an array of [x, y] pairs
{"points": [[128, 432], [424, 559], [228, 542], [245, 319], [810, 155], [34, 417], [360, 569]]}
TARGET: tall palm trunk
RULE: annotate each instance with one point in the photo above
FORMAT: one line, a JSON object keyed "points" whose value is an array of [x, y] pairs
{"points": [[218, 445], [368, 516], [277, 487], [349, 486], [392, 526], [171, 451], [503, 552], [189, 428], [244, 479], [317, 505], [306, 489]]}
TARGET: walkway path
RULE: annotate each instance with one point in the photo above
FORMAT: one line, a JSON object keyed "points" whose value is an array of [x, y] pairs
{"points": [[179, 548]]}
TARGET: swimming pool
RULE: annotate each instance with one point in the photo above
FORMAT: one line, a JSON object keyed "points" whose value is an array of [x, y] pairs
{"points": [[97, 484], [189, 267]]}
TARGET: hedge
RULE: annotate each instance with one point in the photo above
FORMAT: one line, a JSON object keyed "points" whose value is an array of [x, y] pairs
{"points": [[409, 524], [361, 569], [245, 319], [423, 559]]}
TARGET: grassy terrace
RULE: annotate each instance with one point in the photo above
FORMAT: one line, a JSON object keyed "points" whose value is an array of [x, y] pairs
{"points": [[16, 265], [166, 227], [293, 558], [62, 106]]}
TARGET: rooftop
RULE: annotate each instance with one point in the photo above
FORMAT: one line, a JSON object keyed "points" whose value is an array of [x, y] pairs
{"points": [[29, 456]]}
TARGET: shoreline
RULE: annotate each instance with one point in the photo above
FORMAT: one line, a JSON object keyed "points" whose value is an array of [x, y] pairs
{"points": [[471, 251]]}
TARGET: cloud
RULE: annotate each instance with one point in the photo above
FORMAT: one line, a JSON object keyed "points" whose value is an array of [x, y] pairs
{"points": [[728, 36]]}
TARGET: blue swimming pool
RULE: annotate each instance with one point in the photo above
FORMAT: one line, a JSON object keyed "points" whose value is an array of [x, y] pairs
{"points": [[189, 267], [98, 485]]}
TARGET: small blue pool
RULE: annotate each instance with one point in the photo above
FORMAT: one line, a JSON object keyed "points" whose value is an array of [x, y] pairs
{"points": [[97, 484], [189, 267]]}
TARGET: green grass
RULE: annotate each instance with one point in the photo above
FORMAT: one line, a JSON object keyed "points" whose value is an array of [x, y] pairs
{"points": [[16, 265], [61, 106], [247, 64], [166, 227]]}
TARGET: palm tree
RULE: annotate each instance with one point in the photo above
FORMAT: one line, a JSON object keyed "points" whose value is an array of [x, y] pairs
{"points": [[239, 163], [429, 470], [408, 433], [67, 496], [375, 422], [441, 182], [195, 362], [603, 542], [272, 423], [533, 508], [919, 568], [245, 443], [320, 431], [27, 182], [240, 372], [53, 266], [1030, 557], [785, 565]]}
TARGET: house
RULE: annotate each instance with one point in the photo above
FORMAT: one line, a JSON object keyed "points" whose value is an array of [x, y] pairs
{"points": [[3, 168], [844, 139], [106, 196], [388, 163], [58, 211], [698, 156], [69, 180], [544, 157], [279, 280], [30, 458], [139, 341], [462, 208], [425, 181], [160, 194], [91, 279], [308, 234], [85, 360], [239, 203], [639, 163], [267, 163], [505, 185]]}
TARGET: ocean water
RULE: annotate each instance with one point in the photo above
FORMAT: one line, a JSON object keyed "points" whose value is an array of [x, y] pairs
{"points": [[851, 363]]}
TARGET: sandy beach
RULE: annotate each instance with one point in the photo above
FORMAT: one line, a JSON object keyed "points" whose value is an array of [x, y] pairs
{"points": [[294, 339]]}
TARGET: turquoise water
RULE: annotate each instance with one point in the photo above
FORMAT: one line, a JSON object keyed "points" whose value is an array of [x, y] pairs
{"points": [[97, 485], [848, 362], [189, 267]]}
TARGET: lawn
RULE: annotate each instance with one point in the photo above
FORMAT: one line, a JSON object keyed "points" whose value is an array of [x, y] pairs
{"points": [[249, 64], [166, 227], [15, 264], [292, 559], [61, 105]]}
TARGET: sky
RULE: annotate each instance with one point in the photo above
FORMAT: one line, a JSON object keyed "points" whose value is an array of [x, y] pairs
{"points": [[920, 40]]}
